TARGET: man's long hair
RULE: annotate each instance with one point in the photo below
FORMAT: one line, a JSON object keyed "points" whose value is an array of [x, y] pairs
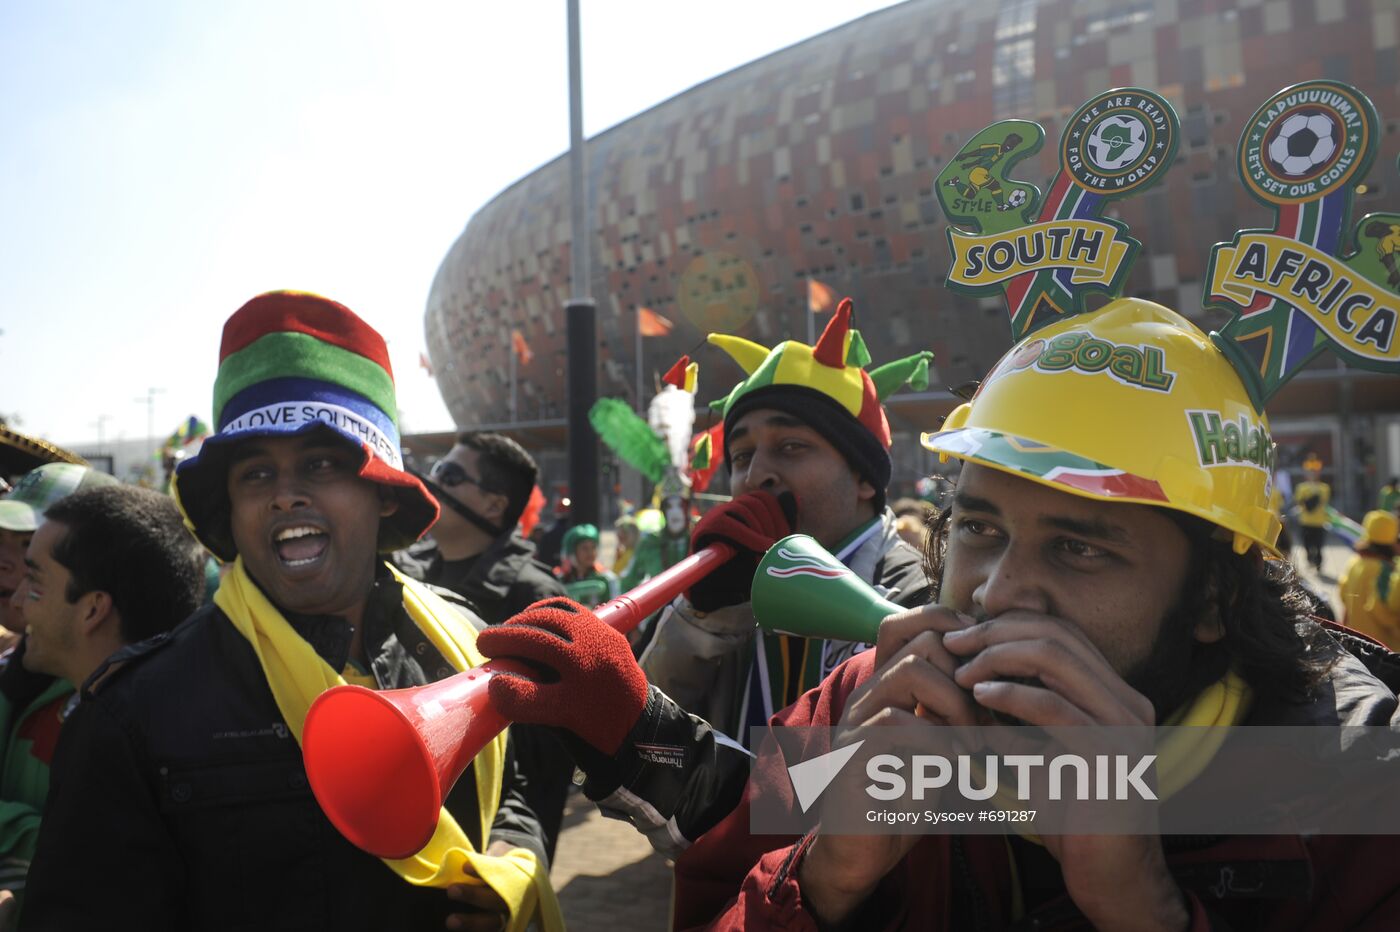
{"points": [[1271, 638]]}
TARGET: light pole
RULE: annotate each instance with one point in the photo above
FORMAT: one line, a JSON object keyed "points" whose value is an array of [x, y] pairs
{"points": [[150, 402], [100, 424], [581, 314]]}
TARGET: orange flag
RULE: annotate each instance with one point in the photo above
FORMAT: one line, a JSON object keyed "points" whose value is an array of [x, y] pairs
{"points": [[522, 349], [531, 515], [820, 297], [653, 324]]}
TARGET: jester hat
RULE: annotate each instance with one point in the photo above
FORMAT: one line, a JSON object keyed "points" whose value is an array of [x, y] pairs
{"points": [[827, 387], [291, 363]]}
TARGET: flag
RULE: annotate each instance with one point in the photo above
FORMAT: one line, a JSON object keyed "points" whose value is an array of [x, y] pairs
{"points": [[820, 297], [425, 363], [652, 324], [1345, 528], [678, 375], [190, 434], [521, 348], [707, 453], [531, 515]]}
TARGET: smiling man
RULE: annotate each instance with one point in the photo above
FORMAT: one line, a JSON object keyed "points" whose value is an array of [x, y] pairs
{"points": [[21, 511], [83, 599], [107, 567], [34, 704], [189, 753], [806, 424], [13, 543]]}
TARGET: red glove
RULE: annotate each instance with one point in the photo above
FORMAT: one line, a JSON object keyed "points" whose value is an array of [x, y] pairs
{"points": [[753, 522], [588, 682]]}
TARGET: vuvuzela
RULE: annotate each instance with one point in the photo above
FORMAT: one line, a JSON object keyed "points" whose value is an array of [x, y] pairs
{"points": [[381, 762], [801, 589]]}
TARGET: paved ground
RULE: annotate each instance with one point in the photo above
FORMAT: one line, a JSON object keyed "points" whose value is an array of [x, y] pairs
{"points": [[606, 874], [609, 879], [1334, 560]]}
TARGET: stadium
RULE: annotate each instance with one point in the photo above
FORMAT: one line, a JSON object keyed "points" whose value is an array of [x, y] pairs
{"points": [[815, 166]]}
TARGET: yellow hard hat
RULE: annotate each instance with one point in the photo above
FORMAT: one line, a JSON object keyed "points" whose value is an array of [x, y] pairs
{"points": [[1379, 527], [1129, 403]]}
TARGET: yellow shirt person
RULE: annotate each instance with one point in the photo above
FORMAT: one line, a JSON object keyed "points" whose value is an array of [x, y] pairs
{"points": [[1369, 590], [1312, 498]]}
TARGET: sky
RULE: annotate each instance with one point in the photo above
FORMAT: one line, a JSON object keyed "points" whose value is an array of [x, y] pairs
{"points": [[163, 162]]}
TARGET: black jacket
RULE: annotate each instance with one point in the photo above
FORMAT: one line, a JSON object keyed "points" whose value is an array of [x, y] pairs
{"points": [[179, 800], [504, 580]]}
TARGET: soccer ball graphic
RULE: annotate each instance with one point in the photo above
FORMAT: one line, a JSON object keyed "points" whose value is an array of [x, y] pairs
{"points": [[1017, 197], [1304, 143], [1116, 141]]}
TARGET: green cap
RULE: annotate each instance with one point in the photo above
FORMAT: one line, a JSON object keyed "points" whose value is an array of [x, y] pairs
{"points": [[574, 535], [23, 508]]}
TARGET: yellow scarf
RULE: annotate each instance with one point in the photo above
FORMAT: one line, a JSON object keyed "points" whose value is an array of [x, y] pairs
{"points": [[297, 675], [1181, 755], [1184, 753]]}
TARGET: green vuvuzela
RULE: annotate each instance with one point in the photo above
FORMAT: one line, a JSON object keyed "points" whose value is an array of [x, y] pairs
{"points": [[801, 589]]}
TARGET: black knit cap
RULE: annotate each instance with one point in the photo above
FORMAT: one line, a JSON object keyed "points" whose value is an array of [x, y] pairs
{"points": [[857, 445]]}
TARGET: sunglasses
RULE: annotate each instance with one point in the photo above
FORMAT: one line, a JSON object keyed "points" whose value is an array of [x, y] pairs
{"points": [[449, 475]]}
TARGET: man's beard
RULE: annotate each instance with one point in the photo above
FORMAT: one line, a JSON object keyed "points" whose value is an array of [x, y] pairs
{"points": [[1178, 666]]}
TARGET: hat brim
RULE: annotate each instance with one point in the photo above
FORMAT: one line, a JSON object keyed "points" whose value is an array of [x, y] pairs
{"points": [[18, 517], [200, 488], [1063, 471]]}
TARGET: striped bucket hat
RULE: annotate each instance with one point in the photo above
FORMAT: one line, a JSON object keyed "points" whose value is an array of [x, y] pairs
{"points": [[292, 362]]}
